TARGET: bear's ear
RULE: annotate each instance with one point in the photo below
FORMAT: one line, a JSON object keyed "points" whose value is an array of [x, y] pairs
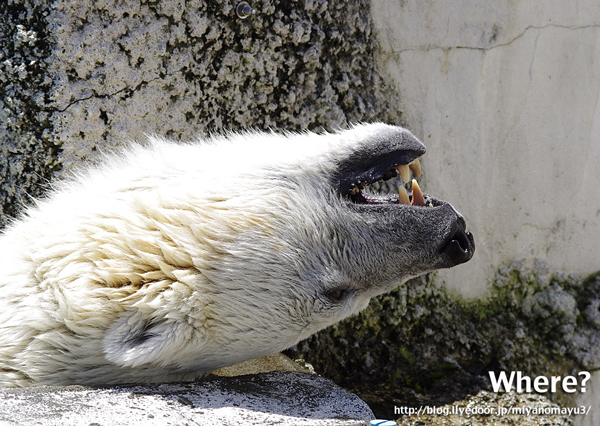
{"points": [[136, 339]]}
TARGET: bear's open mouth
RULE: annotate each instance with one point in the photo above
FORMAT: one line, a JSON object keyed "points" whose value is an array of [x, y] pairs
{"points": [[353, 189], [459, 244]]}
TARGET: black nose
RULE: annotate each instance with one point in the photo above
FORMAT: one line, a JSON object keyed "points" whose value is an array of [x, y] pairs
{"points": [[459, 246]]}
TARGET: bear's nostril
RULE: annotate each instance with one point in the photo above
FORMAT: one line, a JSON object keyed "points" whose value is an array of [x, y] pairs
{"points": [[460, 244], [462, 239]]}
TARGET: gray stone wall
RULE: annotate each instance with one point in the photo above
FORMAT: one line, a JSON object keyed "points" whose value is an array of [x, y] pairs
{"points": [[77, 78], [29, 154]]}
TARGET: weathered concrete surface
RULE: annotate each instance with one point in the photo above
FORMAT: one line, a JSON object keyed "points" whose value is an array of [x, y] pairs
{"points": [[505, 96], [276, 398], [591, 398]]}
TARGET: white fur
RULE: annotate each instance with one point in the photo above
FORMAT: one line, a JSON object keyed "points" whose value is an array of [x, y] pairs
{"points": [[172, 260]]}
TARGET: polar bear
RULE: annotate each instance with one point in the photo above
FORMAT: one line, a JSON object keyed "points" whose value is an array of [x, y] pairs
{"points": [[171, 260]]}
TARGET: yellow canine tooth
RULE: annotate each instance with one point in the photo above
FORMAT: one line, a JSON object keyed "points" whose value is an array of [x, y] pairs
{"points": [[415, 166], [417, 195], [403, 195], [404, 172]]}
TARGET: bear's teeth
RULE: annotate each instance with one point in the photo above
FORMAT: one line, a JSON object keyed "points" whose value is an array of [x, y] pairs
{"points": [[415, 166], [403, 195], [404, 172], [417, 195], [405, 169]]}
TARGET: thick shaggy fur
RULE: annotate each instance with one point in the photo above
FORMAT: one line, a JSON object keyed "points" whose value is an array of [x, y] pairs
{"points": [[172, 260]]}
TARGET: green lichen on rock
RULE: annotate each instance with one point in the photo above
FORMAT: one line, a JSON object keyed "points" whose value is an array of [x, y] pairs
{"points": [[421, 337], [556, 317]]}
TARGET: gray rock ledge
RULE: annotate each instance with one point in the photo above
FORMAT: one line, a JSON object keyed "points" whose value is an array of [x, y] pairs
{"points": [[279, 397]]}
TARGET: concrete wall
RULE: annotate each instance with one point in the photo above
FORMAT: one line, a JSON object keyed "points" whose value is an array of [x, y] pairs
{"points": [[505, 96]]}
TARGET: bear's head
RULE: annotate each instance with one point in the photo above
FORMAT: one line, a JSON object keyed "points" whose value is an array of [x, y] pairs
{"points": [[269, 239]]}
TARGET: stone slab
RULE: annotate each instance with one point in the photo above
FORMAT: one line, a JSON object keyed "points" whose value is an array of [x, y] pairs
{"points": [[275, 398]]}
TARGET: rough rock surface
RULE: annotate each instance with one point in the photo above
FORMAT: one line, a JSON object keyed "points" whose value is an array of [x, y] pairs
{"points": [[265, 364], [276, 398], [77, 78]]}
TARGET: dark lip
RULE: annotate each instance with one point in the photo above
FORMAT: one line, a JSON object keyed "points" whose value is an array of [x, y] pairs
{"points": [[378, 168]]}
